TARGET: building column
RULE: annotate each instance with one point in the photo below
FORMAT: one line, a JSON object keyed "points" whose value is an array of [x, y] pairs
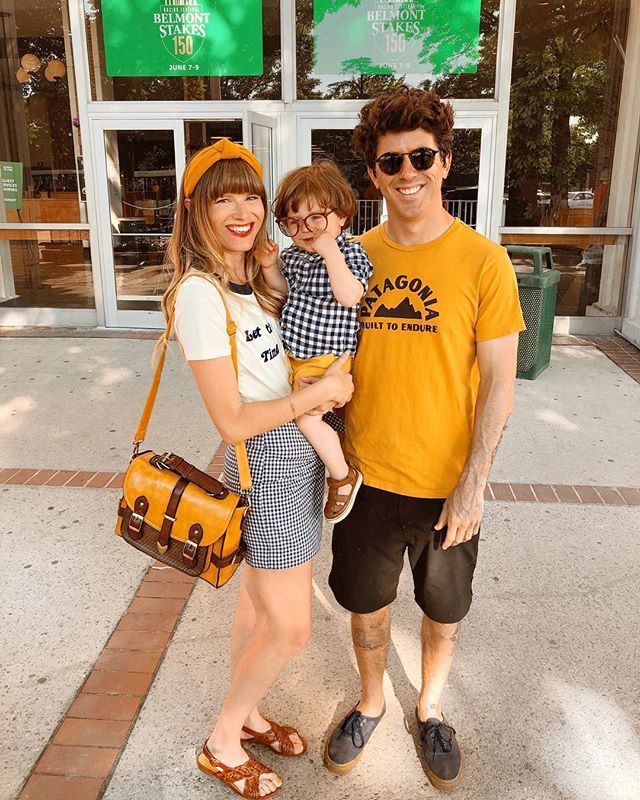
{"points": [[622, 178], [631, 319]]}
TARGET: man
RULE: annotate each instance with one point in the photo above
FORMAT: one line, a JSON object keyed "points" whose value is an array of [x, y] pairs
{"points": [[434, 378]]}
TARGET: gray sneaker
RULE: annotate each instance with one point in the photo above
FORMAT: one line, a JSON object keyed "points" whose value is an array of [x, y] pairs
{"points": [[346, 744], [441, 753]]}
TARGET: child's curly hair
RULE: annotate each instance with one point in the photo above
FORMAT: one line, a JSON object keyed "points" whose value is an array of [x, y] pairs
{"points": [[322, 182], [403, 109]]}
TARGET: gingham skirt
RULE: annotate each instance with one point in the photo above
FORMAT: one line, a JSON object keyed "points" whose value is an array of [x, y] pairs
{"points": [[283, 526]]}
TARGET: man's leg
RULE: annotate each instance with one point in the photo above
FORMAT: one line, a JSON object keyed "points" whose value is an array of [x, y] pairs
{"points": [[368, 552], [442, 581], [438, 649], [345, 746], [437, 738], [371, 634]]}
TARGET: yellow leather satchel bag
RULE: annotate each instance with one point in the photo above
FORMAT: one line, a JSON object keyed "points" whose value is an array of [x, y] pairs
{"points": [[176, 513]]}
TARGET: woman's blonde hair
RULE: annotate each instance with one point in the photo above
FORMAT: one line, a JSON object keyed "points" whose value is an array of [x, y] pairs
{"points": [[194, 246]]}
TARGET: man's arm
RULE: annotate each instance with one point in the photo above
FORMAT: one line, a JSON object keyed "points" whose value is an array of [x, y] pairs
{"points": [[463, 509]]}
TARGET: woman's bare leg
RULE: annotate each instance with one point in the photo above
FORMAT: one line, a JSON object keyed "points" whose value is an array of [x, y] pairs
{"points": [[281, 600], [245, 627]]}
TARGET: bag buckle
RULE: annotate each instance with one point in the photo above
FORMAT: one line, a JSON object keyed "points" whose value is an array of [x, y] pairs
{"points": [[189, 553], [135, 525]]}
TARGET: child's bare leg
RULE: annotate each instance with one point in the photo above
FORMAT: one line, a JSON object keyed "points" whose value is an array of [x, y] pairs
{"points": [[326, 442]]}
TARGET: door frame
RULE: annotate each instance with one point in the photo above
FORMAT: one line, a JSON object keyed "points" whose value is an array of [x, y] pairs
{"points": [[464, 118], [114, 317], [251, 118]]}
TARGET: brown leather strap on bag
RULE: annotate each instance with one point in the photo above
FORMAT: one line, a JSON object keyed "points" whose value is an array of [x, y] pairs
{"points": [[170, 514], [186, 470], [244, 472]]}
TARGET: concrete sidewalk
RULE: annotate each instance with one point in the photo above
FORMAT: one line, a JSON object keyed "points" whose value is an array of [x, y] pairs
{"points": [[544, 693]]}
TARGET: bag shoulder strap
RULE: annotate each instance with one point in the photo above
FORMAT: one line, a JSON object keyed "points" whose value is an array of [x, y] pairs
{"points": [[244, 472]]}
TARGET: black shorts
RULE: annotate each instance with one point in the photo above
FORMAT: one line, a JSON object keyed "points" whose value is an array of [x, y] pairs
{"points": [[368, 555]]}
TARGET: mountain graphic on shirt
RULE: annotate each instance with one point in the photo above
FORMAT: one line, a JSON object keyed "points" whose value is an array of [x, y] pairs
{"points": [[403, 310]]}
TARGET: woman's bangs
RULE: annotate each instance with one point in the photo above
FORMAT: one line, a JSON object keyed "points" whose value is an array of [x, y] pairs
{"points": [[232, 176]]}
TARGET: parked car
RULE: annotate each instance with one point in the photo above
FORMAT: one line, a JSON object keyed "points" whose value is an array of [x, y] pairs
{"points": [[580, 199]]}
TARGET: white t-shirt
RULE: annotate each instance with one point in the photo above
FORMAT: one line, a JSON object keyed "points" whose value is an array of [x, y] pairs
{"points": [[201, 328]]}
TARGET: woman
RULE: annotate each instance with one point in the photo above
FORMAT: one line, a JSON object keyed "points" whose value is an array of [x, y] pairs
{"points": [[217, 247]]}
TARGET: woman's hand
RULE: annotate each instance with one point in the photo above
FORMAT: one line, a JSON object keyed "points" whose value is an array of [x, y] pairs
{"points": [[338, 382]]}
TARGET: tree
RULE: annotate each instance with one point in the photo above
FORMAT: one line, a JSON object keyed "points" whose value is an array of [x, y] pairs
{"points": [[564, 97]]}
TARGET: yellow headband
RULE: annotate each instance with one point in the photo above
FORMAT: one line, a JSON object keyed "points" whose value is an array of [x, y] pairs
{"points": [[222, 150]]}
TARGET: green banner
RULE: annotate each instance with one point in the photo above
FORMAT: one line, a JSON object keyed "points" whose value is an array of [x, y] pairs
{"points": [[387, 37], [156, 38], [11, 175]]}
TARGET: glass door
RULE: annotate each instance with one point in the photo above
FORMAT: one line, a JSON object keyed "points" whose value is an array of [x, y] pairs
{"points": [[261, 138], [139, 164], [466, 192]]}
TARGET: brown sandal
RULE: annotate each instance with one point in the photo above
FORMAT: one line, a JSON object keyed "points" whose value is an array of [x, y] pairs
{"points": [[249, 772], [277, 733], [339, 505]]}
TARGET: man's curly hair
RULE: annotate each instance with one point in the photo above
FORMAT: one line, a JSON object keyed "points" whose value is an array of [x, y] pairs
{"points": [[403, 109]]}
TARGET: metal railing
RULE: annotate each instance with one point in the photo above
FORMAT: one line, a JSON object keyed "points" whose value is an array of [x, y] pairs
{"points": [[367, 216], [369, 211], [466, 210]]}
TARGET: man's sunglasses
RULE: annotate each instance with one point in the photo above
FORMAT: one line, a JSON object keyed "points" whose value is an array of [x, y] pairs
{"points": [[421, 159]]}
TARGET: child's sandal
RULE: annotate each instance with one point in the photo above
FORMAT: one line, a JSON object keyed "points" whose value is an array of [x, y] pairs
{"points": [[338, 504]]}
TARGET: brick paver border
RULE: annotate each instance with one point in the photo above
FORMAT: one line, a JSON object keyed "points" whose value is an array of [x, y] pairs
{"points": [[576, 494], [82, 754], [623, 354]]}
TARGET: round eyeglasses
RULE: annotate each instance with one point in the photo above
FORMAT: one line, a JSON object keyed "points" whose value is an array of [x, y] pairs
{"points": [[421, 159], [314, 223]]}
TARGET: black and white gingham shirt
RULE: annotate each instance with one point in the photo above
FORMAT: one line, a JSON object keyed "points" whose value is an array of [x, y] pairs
{"points": [[313, 322]]}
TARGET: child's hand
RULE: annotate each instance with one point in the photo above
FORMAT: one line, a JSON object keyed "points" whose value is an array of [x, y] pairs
{"points": [[267, 256], [324, 244]]}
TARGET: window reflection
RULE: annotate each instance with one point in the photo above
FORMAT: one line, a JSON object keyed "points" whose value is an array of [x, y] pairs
{"points": [[39, 126], [448, 54], [565, 93], [49, 269], [591, 269], [142, 197]]}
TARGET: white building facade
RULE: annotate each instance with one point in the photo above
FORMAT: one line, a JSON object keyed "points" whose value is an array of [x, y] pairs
{"points": [[103, 101]]}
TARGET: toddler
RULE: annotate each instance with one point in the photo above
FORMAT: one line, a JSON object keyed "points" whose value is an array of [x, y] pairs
{"points": [[326, 274]]}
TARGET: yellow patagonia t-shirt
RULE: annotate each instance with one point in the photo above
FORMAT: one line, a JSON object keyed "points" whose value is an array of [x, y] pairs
{"points": [[410, 422]]}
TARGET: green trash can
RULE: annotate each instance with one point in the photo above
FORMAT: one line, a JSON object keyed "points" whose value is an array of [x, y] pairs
{"points": [[538, 290]]}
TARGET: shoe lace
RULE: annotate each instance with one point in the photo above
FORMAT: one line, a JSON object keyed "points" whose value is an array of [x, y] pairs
{"points": [[438, 735], [352, 726]]}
